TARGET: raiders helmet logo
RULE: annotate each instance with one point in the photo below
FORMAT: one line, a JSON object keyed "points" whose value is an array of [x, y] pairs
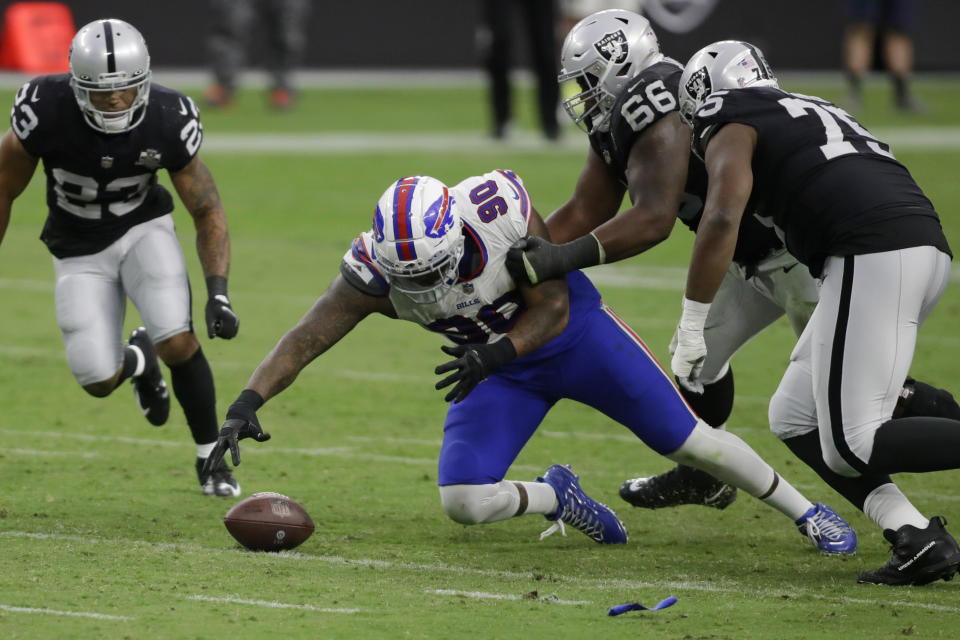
{"points": [[613, 47], [698, 86]]}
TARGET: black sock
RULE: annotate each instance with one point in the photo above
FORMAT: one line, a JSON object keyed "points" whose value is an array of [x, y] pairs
{"points": [[193, 386], [856, 490], [129, 364], [916, 445], [715, 404]]}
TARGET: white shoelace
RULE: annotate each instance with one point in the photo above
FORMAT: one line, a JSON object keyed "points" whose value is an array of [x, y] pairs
{"points": [[557, 525]]}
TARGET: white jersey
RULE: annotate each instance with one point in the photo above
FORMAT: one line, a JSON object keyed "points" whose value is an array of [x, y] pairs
{"points": [[485, 302]]}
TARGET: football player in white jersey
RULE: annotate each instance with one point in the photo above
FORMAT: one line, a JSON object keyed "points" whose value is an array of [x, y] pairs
{"points": [[103, 131], [437, 256]]}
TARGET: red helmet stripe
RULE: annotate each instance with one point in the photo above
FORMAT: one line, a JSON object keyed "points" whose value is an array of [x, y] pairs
{"points": [[403, 196]]}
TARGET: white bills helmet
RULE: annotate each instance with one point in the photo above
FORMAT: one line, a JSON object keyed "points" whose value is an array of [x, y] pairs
{"points": [[728, 64], [418, 238], [600, 54], [106, 56]]}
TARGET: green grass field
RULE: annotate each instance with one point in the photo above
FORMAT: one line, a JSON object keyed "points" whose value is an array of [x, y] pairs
{"points": [[104, 533]]}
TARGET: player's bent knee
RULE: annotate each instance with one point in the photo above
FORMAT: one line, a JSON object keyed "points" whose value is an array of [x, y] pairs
{"points": [[178, 349], [696, 449], [786, 419], [468, 503], [100, 389]]}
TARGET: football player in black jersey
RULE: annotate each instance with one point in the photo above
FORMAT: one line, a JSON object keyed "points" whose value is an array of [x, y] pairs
{"points": [[856, 218], [627, 103], [103, 131]]}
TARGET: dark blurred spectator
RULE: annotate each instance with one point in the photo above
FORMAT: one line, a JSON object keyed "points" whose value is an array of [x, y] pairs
{"points": [[236, 24], [892, 20], [495, 40]]}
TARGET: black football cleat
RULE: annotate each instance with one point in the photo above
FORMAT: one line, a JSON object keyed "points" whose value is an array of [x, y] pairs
{"points": [[218, 483], [681, 485], [920, 556], [149, 389]]}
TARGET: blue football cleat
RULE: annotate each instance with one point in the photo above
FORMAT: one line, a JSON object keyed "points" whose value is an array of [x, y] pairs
{"points": [[828, 531], [577, 509]]}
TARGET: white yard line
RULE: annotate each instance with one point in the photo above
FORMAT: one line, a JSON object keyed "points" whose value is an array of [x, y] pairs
{"points": [[54, 612], [47, 452], [271, 604], [483, 595], [724, 585]]}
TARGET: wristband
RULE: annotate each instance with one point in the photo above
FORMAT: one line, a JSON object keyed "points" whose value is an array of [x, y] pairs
{"points": [[502, 352], [694, 315], [216, 286], [585, 251], [247, 400]]}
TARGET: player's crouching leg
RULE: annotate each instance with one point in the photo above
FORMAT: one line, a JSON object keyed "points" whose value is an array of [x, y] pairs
{"points": [[557, 496], [727, 457]]}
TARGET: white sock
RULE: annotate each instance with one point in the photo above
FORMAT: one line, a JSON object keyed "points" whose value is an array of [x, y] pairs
{"points": [[890, 509], [541, 498], [482, 503], [727, 457], [203, 450]]}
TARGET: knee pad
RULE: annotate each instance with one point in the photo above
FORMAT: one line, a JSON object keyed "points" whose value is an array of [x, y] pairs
{"points": [[787, 419], [921, 399]]}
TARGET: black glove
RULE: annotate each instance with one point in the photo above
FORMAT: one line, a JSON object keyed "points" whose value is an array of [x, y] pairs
{"points": [[533, 259], [473, 363], [241, 423], [221, 319]]}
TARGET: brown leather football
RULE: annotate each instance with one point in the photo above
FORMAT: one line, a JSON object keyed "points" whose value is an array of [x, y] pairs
{"points": [[268, 521]]}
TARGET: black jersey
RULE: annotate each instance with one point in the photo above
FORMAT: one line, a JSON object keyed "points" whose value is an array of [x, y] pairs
{"points": [[98, 184], [830, 186], [647, 98]]}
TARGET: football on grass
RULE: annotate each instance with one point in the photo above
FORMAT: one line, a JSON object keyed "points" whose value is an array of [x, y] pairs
{"points": [[268, 521]]}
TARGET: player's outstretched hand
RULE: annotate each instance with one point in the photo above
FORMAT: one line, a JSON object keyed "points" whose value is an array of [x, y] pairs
{"points": [[222, 320], [233, 430], [689, 352], [472, 363]]}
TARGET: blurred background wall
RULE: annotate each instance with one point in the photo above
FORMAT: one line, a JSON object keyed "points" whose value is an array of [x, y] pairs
{"points": [[441, 34]]}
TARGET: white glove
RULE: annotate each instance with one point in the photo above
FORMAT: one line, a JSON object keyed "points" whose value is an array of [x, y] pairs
{"points": [[688, 348]]}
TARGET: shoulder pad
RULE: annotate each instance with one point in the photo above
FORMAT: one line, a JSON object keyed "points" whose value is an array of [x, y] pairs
{"points": [[496, 204], [358, 268], [722, 107], [175, 119], [35, 108]]}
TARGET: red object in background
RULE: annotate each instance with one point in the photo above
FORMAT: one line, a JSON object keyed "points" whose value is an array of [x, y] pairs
{"points": [[36, 37]]}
